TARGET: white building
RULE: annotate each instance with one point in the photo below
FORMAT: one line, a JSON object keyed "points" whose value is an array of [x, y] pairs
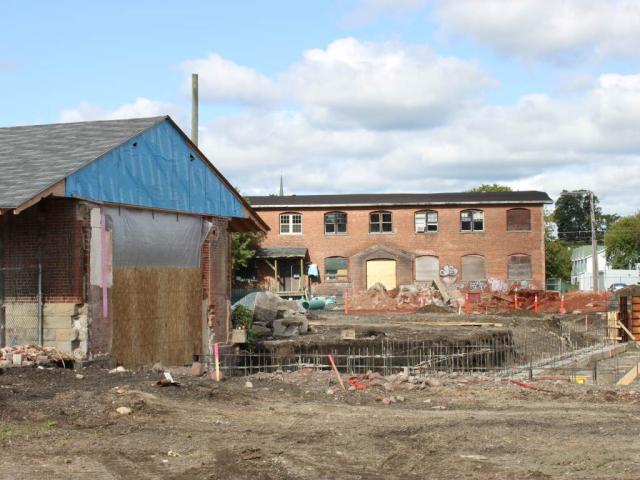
{"points": [[582, 270]]}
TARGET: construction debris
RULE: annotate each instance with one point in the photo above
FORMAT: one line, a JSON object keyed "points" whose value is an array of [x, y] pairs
{"points": [[30, 355]]}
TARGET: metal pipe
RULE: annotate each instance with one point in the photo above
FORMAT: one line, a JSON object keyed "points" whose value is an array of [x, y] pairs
{"points": [[40, 307]]}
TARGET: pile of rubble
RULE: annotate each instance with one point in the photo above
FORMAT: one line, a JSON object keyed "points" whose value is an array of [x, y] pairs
{"points": [[274, 316], [405, 297], [30, 355]]}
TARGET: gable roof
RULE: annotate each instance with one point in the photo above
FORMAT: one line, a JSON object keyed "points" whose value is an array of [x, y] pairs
{"points": [[585, 251], [33, 158], [399, 199]]}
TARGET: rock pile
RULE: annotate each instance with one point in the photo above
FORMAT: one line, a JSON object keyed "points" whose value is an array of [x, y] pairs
{"points": [[274, 316]]}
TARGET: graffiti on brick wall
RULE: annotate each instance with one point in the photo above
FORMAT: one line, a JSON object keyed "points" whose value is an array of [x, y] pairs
{"points": [[449, 271]]}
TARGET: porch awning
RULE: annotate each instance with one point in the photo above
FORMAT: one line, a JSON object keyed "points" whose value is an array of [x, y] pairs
{"points": [[282, 252]]}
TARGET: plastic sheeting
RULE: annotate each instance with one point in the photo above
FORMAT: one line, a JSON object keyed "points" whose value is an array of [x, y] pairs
{"points": [[149, 239]]}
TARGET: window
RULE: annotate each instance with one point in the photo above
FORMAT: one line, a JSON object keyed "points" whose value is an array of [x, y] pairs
{"points": [[472, 221], [335, 223], [426, 221], [519, 220], [380, 222], [519, 267], [473, 268], [290, 223], [336, 269]]}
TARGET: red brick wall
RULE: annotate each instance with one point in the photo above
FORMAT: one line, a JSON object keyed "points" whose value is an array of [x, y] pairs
{"points": [[495, 243], [50, 232]]}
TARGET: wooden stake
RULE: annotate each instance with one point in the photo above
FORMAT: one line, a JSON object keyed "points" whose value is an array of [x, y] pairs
{"points": [[216, 354], [333, 365], [621, 325]]}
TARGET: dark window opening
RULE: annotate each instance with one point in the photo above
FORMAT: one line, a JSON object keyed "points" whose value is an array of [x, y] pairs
{"points": [[335, 223], [472, 221], [380, 222]]}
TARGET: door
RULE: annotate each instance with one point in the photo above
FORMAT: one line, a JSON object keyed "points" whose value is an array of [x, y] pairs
{"points": [[427, 268], [381, 271], [289, 275]]}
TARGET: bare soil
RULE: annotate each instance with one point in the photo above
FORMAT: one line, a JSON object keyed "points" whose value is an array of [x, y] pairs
{"points": [[56, 426]]}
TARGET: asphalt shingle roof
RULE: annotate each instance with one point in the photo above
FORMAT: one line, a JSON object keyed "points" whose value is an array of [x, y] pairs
{"points": [[381, 199], [33, 158], [282, 252]]}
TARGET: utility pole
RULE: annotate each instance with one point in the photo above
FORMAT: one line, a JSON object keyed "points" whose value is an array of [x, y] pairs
{"points": [[594, 245], [194, 108]]}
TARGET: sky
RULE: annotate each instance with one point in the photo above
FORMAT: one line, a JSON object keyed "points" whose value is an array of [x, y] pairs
{"points": [[352, 96]]}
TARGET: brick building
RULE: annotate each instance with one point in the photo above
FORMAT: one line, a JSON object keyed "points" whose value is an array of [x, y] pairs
{"points": [[472, 240], [115, 240]]}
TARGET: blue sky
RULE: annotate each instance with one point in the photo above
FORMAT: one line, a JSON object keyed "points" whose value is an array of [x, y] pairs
{"points": [[423, 95]]}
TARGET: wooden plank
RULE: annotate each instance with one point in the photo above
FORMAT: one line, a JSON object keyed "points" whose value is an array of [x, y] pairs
{"points": [[621, 325], [630, 376], [57, 190]]}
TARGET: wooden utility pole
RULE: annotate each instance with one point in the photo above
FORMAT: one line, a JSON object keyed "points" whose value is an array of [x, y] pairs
{"points": [[194, 108], [594, 246]]}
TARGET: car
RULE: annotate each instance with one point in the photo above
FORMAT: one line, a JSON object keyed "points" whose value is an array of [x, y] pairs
{"points": [[616, 286]]}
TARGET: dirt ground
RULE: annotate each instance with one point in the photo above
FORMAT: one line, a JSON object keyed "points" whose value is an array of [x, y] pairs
{"points": [[56, 426]]}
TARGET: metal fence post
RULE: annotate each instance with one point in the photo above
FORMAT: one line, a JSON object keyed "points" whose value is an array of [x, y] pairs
{"points": [[40, 307], [3, 325]]}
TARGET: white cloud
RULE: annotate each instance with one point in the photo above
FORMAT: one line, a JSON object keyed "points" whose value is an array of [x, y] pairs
{"points": [[141, 107], [539, 142], [221, 80], [560, 30], [384, 85]]}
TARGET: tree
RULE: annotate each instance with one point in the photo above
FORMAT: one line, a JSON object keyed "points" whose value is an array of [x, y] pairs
{"points": [[557, 259], [492, 187], [243, 248], [557, 253], [572, 215], [622, 242]]}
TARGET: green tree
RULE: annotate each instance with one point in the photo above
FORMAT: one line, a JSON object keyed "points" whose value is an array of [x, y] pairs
{"points": [[492, 187], [557, 259], [243, 248], [572, 215], [622, 242], [557, 253]]}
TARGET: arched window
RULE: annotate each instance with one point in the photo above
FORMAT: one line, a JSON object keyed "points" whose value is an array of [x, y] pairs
{"points": [[472, 221], [336, 269], [473, 268], [519, 267], [335, 223], [426, 221], [291, 223], [519, 220], [380, 222]]}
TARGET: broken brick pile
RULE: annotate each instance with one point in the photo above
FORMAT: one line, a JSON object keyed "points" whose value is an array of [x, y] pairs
{"points": [[30, 355], [404, 298], [548, 302]]}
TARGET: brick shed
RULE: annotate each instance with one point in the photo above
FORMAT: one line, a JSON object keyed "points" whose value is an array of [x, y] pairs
{"points": [[115, 240]]}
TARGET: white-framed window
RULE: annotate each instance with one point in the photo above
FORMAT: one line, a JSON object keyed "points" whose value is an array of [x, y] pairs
{"points": [[426, 221], [472, 221], [335, 223], [380, 222], [291, 223]]}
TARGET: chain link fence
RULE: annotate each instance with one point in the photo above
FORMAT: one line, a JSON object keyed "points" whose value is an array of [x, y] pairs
{"points": [[21, 306]]}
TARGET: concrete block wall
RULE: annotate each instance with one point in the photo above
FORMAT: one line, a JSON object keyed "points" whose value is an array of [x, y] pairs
{"points": [[449, 244]]}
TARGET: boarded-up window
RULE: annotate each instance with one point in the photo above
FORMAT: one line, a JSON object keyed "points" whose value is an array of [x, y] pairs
{"points": [[427, 268], [519, 219], [336, 269], [520, 267], [473, 268]]}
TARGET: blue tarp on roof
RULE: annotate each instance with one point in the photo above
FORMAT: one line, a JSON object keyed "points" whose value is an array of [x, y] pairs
{"points": [[156, 169]]}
